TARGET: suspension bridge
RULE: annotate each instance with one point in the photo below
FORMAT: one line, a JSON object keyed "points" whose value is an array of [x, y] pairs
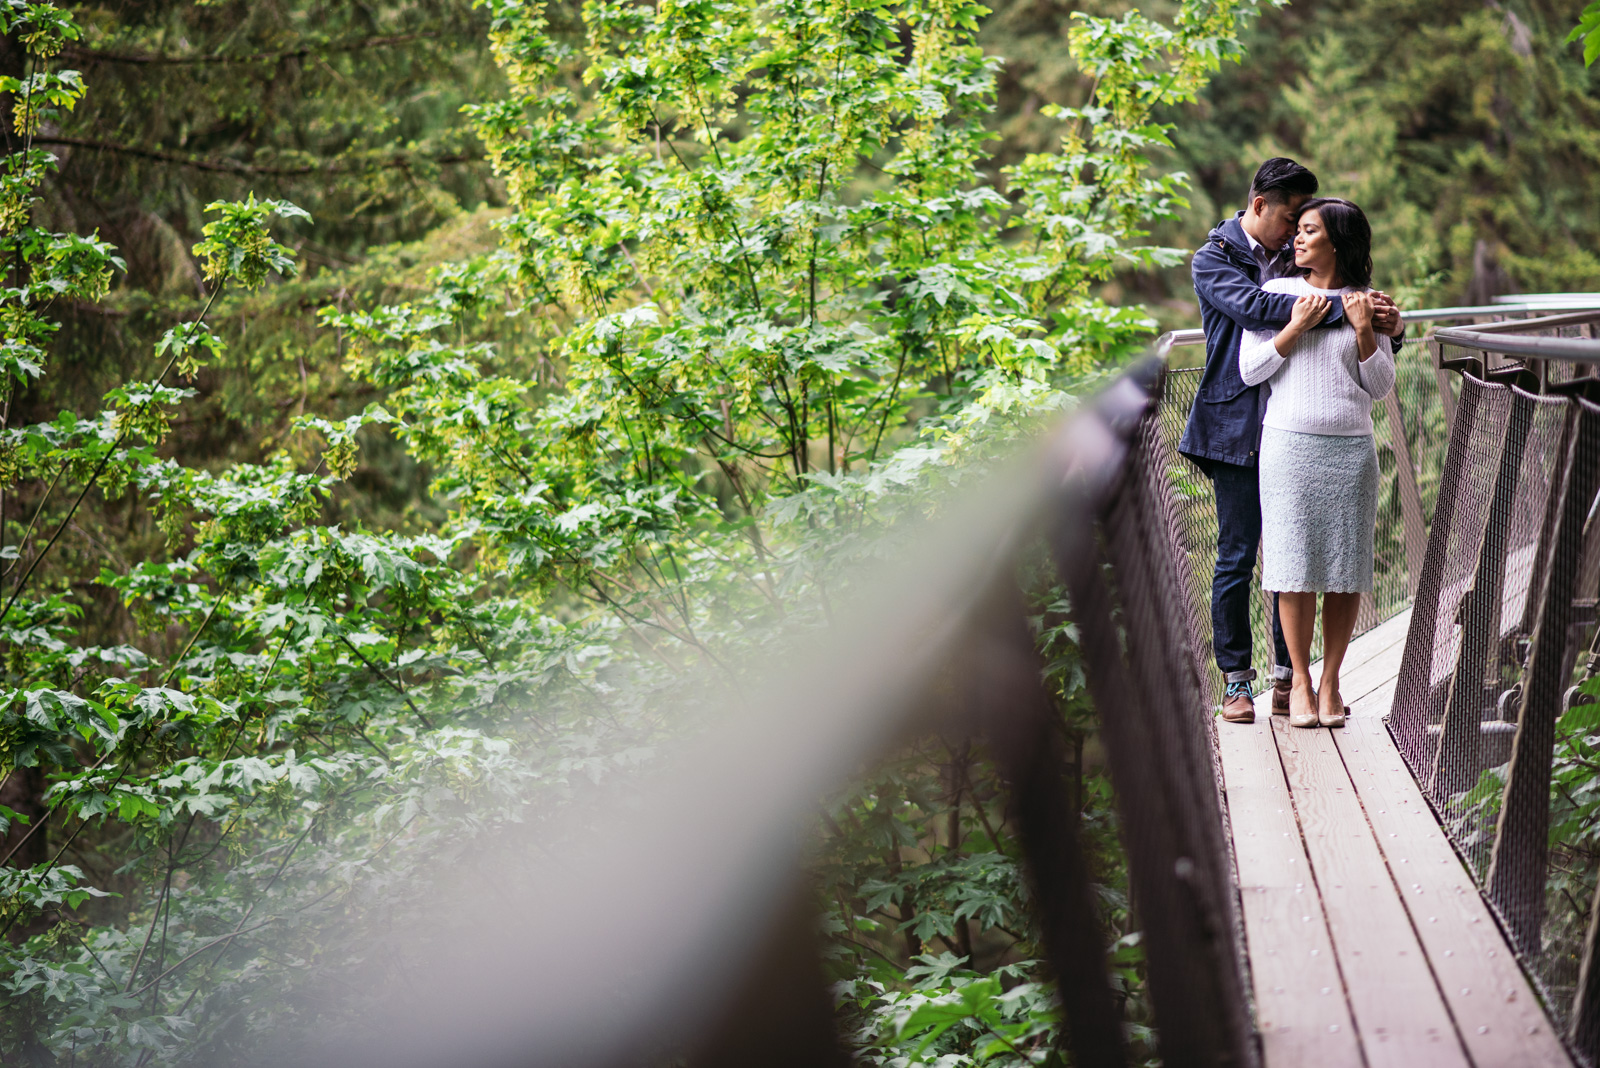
{"points": [[1417, 889]]}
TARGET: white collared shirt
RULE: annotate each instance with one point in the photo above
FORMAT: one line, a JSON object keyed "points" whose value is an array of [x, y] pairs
{"points": [[1266, 260]]}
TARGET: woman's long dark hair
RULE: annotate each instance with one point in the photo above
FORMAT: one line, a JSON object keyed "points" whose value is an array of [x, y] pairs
{"points": [[1351, 234]]}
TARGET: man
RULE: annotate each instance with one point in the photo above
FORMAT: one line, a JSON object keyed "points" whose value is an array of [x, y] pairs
{"points": [[1224, 430]]}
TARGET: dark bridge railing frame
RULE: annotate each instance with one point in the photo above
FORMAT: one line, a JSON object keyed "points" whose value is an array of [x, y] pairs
{"points": [[1495, 636]]}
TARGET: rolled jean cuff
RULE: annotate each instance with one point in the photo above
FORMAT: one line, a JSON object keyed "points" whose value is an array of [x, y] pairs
{"points": [[1285, 674], [1247, 675]]}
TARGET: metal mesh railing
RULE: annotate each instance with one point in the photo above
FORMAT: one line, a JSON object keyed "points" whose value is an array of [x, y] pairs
{"points": [[1138, 631], [1491, 706], [1410, 428]]}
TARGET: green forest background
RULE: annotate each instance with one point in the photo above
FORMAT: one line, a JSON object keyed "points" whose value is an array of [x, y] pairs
{"points": [[518, 357]]}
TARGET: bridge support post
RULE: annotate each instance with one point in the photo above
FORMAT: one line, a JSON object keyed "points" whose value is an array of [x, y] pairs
{"points": [[1585, 1031], [1515, 882], [1414, 698], [1447, 397], [783, 1006], [1412, 524]]}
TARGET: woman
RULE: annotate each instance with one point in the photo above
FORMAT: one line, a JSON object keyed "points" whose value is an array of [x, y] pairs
{"points": [[1318, 466]]}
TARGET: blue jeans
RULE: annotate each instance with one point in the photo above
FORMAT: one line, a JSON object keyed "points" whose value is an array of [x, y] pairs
{"points": [[1238, 535]]}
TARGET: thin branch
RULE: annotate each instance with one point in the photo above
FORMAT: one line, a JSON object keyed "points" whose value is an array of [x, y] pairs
{"points": [[94, 476], [872, 454], [156, 59], [204, 623], [227, 166], [36, 514], [240, 929], [395, 686]]}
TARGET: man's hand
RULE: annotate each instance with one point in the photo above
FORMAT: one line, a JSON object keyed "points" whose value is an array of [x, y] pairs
{"points": [[1308, 312], [1385, 315], [1361, 310]]}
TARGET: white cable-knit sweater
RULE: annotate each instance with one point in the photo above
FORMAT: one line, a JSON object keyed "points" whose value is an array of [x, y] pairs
{"points": [[1321, 387]]}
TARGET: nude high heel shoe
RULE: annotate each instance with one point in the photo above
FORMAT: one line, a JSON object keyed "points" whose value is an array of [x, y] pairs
{"points": [[1335, 719], [1304, 719]]}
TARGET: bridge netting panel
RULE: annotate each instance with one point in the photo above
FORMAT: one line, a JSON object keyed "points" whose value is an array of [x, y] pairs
{"points": [[1491, 708]]}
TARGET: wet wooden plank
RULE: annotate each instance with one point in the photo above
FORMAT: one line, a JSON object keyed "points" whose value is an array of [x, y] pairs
{"points": [[1301, 1010], [1398, 1010], [1496, 1012]]}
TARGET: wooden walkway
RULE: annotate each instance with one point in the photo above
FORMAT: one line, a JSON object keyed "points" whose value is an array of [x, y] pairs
{"points": [[1367, 939]]}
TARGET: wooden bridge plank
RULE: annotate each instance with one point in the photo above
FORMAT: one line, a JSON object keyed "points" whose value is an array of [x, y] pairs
{"points": [[1300, 1006], [1371, 645], [1373, 658], [1377, 703], [1497, 1014], [1398, 1010], [1379, 639], [1376, 673]]}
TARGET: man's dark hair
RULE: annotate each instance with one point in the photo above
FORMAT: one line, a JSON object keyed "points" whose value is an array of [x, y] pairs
{"points": [[1281, 180], [1347, 228]]}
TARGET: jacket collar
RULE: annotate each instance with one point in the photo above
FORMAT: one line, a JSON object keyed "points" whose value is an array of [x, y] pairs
{"points": [[1229, 235]]}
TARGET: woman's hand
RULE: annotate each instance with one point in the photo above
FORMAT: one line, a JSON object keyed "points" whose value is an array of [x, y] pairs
{"points": [[1358, 308], [1308, 312]]}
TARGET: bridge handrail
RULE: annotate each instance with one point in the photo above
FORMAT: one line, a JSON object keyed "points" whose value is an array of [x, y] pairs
{"points": [[1540, 298], [721, 952], [1582, 350], [1532, 326], [1574, 311], [1575, 303]]}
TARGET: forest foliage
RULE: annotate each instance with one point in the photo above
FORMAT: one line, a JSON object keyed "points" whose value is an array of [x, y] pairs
{"points": [[374, 474]]}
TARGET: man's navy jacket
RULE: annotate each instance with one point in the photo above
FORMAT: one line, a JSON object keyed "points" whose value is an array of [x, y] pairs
{"points": [[1225, 422]]}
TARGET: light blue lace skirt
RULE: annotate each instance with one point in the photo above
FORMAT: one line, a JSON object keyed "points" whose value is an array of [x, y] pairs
{"points": [[1319, 508]]}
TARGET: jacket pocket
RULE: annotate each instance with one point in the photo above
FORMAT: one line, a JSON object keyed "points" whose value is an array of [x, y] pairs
{"points": [[1224, 392]]}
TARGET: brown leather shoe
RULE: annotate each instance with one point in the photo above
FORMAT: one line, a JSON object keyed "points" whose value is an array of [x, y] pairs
{"points": [[1280, 696], [1239, 708]]}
